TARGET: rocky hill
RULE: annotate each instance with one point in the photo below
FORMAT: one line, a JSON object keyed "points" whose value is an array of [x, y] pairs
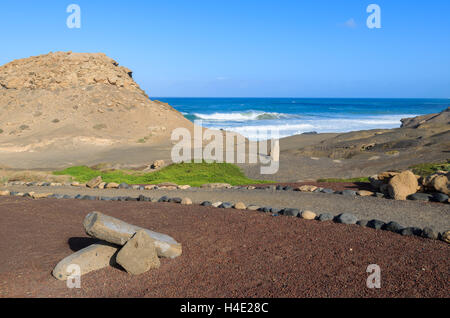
{"points": [[422, 139], [425, 136], [439, 119], [68, 100]]}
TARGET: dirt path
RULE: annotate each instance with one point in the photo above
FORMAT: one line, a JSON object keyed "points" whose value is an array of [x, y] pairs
{"points": [[226, 253], [407, 213]]}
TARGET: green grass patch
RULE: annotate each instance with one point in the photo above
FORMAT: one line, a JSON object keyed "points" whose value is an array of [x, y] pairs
{"points": [[426, 169], [193, 174], [99, 126], [144, 140], [333, 180]]}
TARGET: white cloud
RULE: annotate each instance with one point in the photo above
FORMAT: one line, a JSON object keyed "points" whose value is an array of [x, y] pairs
{"points": [[350, 23]]}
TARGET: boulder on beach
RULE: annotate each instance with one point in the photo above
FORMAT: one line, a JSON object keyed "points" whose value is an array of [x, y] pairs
{"points": [[290, 212], [101, 185], [439, 197], [167, 185], [112, 185], [446, 236], [88, 259], [240, 206], [186, 201], [387, 175], [392, 227], [375, 224], [365, 193], [306, 188], [110, 229], [41, 195], [139, 254], [157, 164], [94, 182], [226, 205], [379, 181], [441, 183], [430, 233], [216, 185], [325, 217], [420, 197], [402, 185], [134, 248], [346, 218], [175, 200], [362, 223], [308, 215]]}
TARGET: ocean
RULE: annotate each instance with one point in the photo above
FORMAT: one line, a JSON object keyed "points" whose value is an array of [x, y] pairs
{"points": [[292, 116]]}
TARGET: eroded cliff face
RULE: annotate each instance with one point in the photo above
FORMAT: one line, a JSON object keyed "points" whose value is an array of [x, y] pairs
{"points": [[67, 100], [439, 119], [65, 70]]}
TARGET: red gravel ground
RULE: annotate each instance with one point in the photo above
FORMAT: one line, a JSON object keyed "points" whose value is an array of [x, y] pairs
{"points": [[226, 253]]}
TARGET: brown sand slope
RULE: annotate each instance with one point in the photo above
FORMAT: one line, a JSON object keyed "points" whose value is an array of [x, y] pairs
{"points": [[226, 253], [79, 104]]}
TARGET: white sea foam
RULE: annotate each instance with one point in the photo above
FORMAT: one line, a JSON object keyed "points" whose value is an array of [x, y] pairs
{"points": [[243, 116], [293, 126]]}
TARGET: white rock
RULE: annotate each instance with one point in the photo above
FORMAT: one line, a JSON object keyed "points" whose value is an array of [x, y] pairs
{"points": [[116, 231], [91, 258], [138, 255], [186, 201]]}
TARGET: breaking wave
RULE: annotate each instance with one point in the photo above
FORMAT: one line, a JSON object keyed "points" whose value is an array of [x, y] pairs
{"points": [[241, 116]]}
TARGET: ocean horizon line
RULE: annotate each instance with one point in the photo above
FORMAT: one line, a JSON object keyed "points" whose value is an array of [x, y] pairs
{"points": [[255, 97], [292, 116]]}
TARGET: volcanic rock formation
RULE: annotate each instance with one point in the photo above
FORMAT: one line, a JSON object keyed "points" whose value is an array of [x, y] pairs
{"points": [[68, 100]]}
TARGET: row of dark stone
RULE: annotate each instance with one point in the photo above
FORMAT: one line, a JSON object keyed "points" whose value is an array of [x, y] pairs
{"points": [[426, 197], [344, 218], [91, 197], [347, 218], [48, 184]]}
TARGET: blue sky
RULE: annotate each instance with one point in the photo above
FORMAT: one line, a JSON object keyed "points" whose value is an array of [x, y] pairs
{"points": [[249, 48]]}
